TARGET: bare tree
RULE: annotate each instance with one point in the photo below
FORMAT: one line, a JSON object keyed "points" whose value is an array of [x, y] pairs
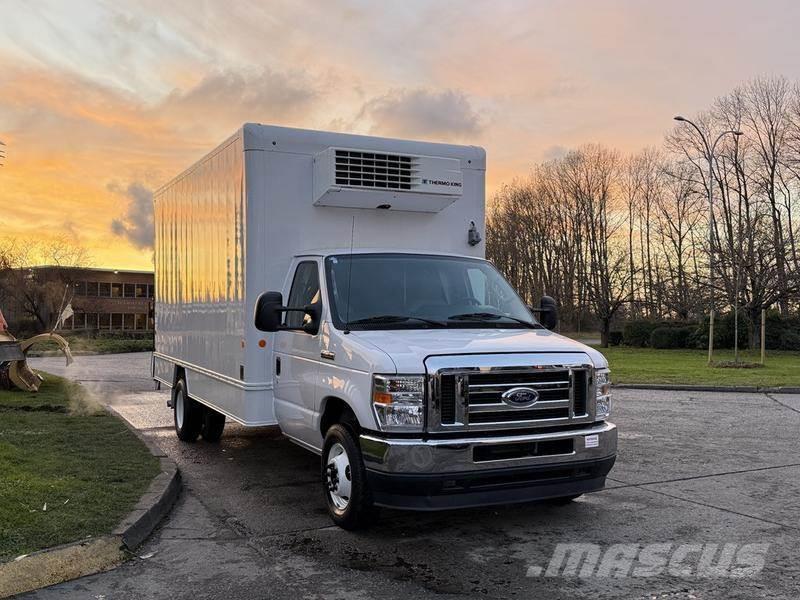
{"points": [[680, 212], [611, 237], [556, 233], [592, 178], [37, 294], [766, 120]]}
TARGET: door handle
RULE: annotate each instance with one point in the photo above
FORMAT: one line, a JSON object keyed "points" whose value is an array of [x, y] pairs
{"points": [[277, 366], [327, 354]]}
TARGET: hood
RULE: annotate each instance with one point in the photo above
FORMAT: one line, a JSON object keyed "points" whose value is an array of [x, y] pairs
{"points": [[408, 348]]}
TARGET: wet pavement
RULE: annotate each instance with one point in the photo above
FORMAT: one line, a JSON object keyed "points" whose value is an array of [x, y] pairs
{"points": [[694, 469]]}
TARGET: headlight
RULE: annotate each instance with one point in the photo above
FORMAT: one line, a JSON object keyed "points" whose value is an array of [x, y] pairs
{"points": [[602, 384], [398, 401]]}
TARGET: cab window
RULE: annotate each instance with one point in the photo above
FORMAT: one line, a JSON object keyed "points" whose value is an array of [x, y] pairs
{"points": [[305, 290]]}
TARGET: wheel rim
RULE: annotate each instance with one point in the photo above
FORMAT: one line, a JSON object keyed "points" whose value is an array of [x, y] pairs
{"points": [[179, 408], [338, 477]]}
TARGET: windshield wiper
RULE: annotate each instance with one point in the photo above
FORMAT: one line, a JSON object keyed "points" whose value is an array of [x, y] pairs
{"points": [[396, 319], [486, 316]]}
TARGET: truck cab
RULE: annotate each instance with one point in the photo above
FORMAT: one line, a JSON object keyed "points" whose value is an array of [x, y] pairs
{"points": [[425, 383]]}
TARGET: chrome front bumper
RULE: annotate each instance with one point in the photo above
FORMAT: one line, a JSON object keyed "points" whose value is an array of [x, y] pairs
{"points": [[438, 474], [416, 456]]}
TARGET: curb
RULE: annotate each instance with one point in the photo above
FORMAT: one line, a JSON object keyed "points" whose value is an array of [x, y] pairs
{"points": [[152, 507], [59, 564], [156, 502], [102, 553], [753, 389]]}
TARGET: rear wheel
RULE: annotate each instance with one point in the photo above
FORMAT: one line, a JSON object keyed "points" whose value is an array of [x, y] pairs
{"points": [[344, 480], [187, 413], [213, 424]]}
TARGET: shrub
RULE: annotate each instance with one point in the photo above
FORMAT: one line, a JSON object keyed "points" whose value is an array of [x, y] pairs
{"points": [[724, 330], [698, 339], [782, 333], [790, 340], [637, 332], [615, 338], [774, 329], [671, 337], [778, 328], [124, 335]]}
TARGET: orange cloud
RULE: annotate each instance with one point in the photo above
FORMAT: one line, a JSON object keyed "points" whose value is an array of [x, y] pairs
{"points": [[72, 141], [114, 98]]}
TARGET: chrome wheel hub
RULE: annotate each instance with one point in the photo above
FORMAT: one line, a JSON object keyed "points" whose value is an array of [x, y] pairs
{"points": [[338, 477], [179, 408]]}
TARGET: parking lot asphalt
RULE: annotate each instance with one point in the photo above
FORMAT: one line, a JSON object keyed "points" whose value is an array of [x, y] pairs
{"points": [[693, 469]]}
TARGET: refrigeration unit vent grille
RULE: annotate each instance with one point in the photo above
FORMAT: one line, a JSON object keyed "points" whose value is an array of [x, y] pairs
{"points": [[372, 170]]}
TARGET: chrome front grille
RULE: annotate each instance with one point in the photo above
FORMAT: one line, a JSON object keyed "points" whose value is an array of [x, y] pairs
{"points": [[471, 397], [485, 403]]}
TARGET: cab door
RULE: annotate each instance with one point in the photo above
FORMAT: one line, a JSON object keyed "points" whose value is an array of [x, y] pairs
{"points": [[297, 356]]}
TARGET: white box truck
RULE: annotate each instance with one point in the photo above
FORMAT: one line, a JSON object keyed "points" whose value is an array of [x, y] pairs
{"points": [[335, 285]]}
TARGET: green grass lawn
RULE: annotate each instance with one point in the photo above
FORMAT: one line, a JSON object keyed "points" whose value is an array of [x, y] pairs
{"points": [[59, 450], [645, 365], [100, 345]]}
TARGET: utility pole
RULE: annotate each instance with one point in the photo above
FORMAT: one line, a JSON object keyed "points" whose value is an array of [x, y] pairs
{"points": [[710, 156]]}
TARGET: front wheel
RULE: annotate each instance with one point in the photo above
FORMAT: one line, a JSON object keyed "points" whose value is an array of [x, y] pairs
{"points": [[344, 480]]}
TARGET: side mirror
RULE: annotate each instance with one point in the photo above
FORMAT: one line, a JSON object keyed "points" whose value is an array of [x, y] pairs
{"points": [[269, 307], [314, 311], [548, 312]]}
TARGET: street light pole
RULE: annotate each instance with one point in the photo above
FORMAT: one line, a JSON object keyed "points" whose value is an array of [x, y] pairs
{"points": [[710, 155]]}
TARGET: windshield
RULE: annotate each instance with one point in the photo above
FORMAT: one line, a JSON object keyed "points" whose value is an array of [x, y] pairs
{"points": [[402, 291]]}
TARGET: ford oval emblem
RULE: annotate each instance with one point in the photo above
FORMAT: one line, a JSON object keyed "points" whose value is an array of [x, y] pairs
{"points": [[520, 397]]}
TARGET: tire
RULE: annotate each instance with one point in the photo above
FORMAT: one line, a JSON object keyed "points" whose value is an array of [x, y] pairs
{"points": [[187, 413], [344, 480], [213, 424]]}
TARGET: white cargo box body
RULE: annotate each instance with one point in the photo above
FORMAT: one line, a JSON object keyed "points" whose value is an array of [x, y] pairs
{"points": [[228, 228]]}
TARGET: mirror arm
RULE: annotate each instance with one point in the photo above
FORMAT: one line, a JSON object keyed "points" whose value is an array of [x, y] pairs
{"points": [[313, 310]]}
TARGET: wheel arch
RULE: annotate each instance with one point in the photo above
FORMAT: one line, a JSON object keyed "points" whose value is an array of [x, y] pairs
{"points": [[178, 374], [332, 408]]}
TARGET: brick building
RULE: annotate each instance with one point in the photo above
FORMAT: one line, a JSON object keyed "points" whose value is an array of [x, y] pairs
{"points": [[111, 300], [102, 299]]}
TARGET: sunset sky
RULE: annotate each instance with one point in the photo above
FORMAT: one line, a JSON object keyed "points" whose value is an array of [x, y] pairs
{"points": [[102, 102]]}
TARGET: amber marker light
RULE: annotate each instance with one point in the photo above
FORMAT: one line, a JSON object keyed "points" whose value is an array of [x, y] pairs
{"points": [[382, 397]]}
